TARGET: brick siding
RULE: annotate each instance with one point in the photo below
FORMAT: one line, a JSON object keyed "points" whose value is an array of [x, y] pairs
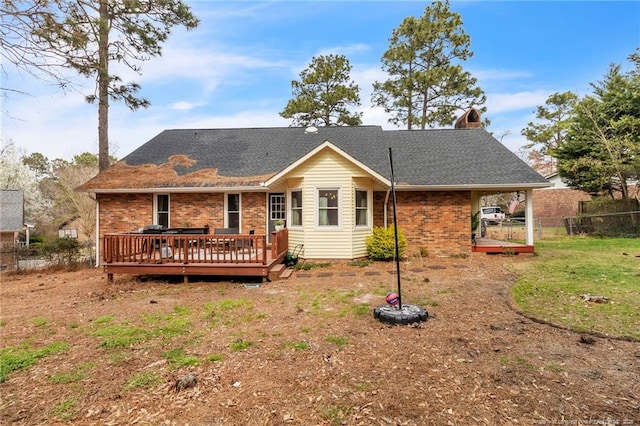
{"points": [[7, 250], [130, 212], [552, 205], [438, 222]]}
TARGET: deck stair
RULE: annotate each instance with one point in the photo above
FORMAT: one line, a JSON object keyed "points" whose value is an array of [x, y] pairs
{"points": [[276, 271]]}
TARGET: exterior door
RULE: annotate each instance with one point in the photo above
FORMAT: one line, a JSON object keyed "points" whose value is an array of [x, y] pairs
{"points": [[277, 211]]}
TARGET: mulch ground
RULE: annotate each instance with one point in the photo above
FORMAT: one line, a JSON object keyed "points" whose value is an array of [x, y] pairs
{"points": [[314, 358]]}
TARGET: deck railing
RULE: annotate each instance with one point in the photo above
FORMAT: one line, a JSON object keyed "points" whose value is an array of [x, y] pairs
{"points": [[192, 248]]}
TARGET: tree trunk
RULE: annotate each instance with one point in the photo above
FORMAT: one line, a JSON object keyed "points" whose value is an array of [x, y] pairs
{"points": [[103, 87]]}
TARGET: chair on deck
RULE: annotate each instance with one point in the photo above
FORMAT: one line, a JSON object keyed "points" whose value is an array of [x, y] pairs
{"points": [[246, 244]]}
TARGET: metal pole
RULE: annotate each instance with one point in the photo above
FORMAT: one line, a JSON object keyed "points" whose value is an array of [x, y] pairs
{"points": [[395, 228]]}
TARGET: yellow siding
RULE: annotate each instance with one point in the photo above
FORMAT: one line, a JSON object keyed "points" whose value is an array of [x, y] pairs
{"points": [[296, 235], [327, 170], [360, 234]]}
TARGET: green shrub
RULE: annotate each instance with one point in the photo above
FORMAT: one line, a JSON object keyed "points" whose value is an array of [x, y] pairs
{"points": [[64, 250], [381, 243]]}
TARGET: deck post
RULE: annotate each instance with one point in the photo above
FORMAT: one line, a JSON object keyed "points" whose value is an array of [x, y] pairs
{"points": [[110, 278]]}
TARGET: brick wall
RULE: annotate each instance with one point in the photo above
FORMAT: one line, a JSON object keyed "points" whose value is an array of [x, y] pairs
{"points": [[436, 221], [130, 212], [196, 210], [124, 212], [7, 250], [439, 222], [552, 205], [254, 212]]}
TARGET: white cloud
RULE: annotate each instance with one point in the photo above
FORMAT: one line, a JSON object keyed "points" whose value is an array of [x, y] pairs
{"points": [[347, 50], [185, 106], [499, 74], [506, 102]]}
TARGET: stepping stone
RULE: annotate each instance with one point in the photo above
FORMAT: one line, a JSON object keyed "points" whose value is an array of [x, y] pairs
{"points": [[303, 275], [461, 266], [325, 274], [347, 274], [437, 267], [417, 270], [370, 273]]}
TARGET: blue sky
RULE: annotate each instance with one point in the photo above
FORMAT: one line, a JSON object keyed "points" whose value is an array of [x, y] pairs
{"points": [[235, 69]]}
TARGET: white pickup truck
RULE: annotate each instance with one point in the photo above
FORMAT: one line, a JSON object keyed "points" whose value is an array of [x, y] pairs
{"points": [[492, 214]]}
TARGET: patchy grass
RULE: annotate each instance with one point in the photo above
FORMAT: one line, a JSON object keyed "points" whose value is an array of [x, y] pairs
{"points": [[297, 346], [77, 374], [339, 341], [335, 414], [177, 358], [215, 358], [40, 322], [240, 345], [121, 336], [550, 286], [361, 263], [65, 410], [307, 266], [146, 379], [154, 326], [20, 357]]}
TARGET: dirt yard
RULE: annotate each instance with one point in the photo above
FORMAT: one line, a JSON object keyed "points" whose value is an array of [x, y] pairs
{"points": [[307, 351]]}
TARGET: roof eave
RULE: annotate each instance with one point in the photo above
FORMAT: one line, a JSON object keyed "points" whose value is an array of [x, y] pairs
{"points": [[472, 187], [173, 190], [326, 144]]}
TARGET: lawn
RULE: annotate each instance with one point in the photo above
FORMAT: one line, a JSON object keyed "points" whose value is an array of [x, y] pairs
{"points": [[308, 351], [554, 285]]}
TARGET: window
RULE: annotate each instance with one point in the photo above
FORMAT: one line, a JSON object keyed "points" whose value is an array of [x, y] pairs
{"points": [[296, 208], [328, 207], [162, 210], [362, 208], [233, 211]]}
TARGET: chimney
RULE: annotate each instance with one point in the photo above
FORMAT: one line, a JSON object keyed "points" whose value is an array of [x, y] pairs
{"points": [[469, 120]]}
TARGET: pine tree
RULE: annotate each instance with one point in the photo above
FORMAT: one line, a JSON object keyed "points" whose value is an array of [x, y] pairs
{"points": [[427, 84], [324, 94]]}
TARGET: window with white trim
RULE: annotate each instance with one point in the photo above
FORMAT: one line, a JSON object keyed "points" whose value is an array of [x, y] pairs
{"points": [[362, 208], [233, 211], [296, 208], [161, 204], [328, 203]]}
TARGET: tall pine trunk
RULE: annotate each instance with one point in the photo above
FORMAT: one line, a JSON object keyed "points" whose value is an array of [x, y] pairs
{"points": [[103, 87]]}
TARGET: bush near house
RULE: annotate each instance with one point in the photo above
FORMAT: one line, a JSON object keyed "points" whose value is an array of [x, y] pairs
{"points": [[381, 243]]}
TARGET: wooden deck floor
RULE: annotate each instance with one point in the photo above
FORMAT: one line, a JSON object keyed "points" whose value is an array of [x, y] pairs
{"points": [[489, 246]]}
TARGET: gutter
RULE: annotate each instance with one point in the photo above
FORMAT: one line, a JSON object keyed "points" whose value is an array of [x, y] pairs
{"points": [[174, 190], [476, 187]]}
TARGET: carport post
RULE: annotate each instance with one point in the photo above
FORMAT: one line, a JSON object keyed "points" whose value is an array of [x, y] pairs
{"points": [[528, 216]]}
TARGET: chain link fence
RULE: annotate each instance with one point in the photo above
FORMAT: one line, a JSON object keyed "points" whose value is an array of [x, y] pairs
{"points": [[20, 257]]}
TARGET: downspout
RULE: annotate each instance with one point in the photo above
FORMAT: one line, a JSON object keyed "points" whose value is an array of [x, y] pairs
{"points": [[386, 204]]}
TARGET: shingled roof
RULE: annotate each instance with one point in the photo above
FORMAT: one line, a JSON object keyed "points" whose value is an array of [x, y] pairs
{"points": [[188, 158]]}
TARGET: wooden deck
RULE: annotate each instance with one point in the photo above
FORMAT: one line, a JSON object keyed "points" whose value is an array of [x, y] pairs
{"points": [[489, 246], [187, 254]]}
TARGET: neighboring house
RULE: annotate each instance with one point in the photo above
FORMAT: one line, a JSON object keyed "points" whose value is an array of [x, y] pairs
{"points": [[331, 185], [72, 229], [11, 224], [551, 205]]}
